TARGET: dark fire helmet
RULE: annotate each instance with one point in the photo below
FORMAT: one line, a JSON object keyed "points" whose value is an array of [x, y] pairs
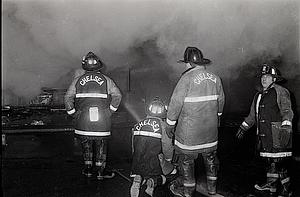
{"points": [[91, 62]]}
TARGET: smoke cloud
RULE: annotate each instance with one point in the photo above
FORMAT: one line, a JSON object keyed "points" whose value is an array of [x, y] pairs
{"points": [[43, 41]]}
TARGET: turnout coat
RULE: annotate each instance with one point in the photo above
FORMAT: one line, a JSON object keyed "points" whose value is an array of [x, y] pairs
{"points": [[270, 110], [196, 104], [92, 97], [147, 137]]}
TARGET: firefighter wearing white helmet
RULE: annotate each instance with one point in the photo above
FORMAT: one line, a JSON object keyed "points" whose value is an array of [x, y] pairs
{"points": [[193, 117], [272, 113], [91, 99], [152, 152]]}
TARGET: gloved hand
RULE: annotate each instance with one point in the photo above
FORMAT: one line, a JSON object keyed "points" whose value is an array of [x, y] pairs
{"points": [[170, 131], [285, 135], [240, 133]]}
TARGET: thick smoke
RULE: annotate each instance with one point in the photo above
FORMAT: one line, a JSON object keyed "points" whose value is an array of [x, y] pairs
{"points": [[43, 41]]}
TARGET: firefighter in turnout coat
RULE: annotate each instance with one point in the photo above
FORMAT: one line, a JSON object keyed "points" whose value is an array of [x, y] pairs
{"points": [[272, 113], [193, 117], [91, 99], [152, 152]]}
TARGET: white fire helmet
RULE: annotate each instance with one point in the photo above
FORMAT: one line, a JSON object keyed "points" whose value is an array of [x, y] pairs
{"points": [[157, 108]]}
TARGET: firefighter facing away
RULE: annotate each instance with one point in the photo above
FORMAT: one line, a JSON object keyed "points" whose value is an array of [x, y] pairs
{"points": [[152, 153], [91, 99], [193, 117], [271, 112]]}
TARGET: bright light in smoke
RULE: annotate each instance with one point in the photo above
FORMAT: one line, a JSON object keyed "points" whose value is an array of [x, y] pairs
{"points": [[132, 112]]}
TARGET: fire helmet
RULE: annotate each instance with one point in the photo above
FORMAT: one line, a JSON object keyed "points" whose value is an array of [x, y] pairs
{"points": [[91, 62], [194, 55], [157, 108], [271, 70]]}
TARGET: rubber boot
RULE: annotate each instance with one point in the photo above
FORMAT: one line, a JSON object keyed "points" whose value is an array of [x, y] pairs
{"points": [[135, 187], [189, 182], [211, 165], [285, 182], [211, 186], [272, 180], [176, 187], [87, 171]]}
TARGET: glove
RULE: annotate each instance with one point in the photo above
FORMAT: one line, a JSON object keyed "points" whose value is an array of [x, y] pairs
{"points": [[285, 135], [170, 131], [240, 133]]}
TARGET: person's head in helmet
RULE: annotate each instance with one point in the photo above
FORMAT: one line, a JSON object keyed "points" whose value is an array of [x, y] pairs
{"points": [[193, 57], [91, 62], [269, 75], [157, 108]]}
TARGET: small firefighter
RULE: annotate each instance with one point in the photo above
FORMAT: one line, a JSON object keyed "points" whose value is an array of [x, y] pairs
{"points": [[152, 153], [272, 113], [91, 99], [193, 117]]}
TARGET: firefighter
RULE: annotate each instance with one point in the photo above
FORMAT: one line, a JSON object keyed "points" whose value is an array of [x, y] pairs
{"points": [[91, 99], [152, 152], [272, 113], [193, 117]]}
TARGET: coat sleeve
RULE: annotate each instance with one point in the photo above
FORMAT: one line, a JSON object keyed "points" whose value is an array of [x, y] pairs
{"points": [[221, 98], [250, 119], [166, 143], [115, 93], [70, 97], [177, 100], [284, 103]]}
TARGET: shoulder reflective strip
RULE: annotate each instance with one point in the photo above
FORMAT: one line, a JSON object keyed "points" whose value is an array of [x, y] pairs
{"points": [[147, 133], [273, 175], [219, 114], [245, 124], [212, 178], [189, 184], [91, 95], [285, 180], [280, 154], [93, 133], [200, 98], [171, 122], [72, 111], [113, 108], [195, 147], [286, 122]]}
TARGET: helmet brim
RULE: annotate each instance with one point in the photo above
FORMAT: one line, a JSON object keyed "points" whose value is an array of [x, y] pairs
{"points": [[203, 62], [278, 77]]}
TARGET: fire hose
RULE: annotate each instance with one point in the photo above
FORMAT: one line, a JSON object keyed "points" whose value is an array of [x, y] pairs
{"points": [[117, 171]]}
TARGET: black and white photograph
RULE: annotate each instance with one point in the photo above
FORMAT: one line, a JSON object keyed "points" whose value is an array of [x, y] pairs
{"points": [[150, 98]]}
